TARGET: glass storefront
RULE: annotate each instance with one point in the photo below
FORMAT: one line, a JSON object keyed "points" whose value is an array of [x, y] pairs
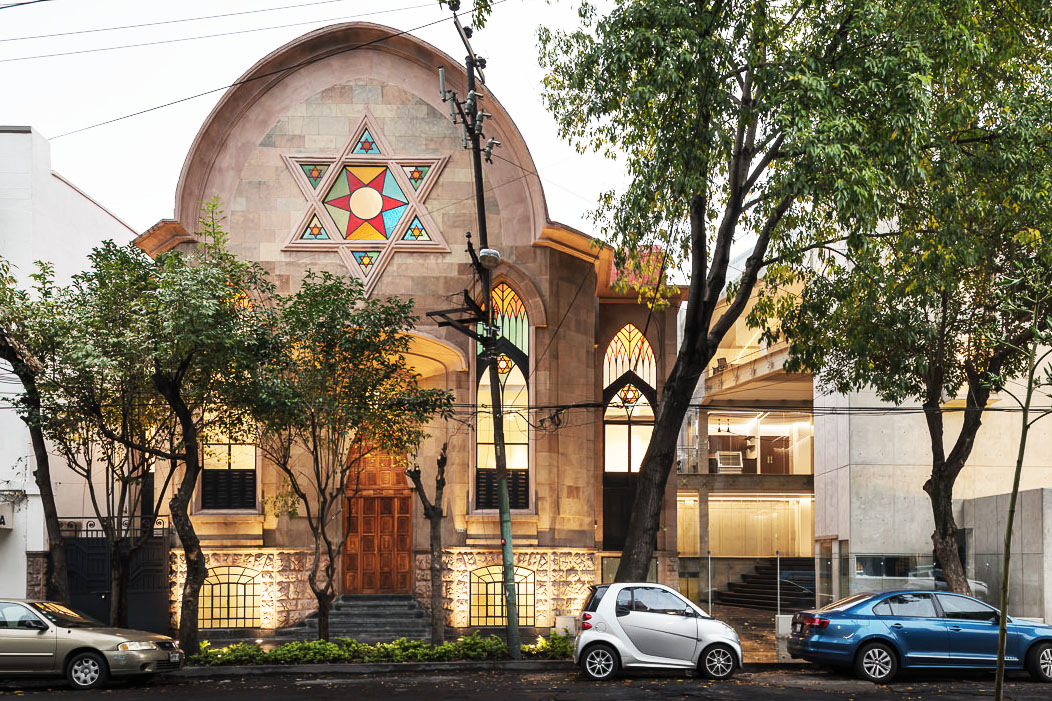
{"points": [[761, 524]]}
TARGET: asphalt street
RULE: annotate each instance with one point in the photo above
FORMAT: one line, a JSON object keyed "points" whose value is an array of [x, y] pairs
{"points": [[796, 684]]}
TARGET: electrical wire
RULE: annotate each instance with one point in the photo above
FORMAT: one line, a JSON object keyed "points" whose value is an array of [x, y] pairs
{"points": [[171, 21], [10, 5], [211, 36], [268, 74]]}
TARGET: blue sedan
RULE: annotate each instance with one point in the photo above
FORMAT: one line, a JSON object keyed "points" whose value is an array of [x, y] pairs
{"points": [[879, 633]]}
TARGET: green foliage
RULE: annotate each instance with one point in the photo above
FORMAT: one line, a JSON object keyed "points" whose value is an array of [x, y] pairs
{"points": [[557, 646], [470, 647]]}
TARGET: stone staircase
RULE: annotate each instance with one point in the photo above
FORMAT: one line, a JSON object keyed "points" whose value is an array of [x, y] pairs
{"points": [[759, 588], [367, 618]]}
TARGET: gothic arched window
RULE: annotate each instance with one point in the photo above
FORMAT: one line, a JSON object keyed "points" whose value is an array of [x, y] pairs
{"points": [[511, 355], [629, 397], [629, 378]]}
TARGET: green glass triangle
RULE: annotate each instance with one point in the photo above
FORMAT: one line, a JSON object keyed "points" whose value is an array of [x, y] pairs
{"points": [[314, 172]]}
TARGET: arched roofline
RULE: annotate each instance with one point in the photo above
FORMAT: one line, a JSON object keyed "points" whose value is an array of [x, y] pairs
{"points": [[325, 43]]}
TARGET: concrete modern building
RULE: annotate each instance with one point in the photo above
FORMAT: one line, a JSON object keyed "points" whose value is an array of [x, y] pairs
{"points": [[42, 217], [349, 163], [776, 473]]}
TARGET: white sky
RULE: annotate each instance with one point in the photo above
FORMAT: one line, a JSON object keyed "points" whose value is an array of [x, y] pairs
{"points": [[131, 167]]}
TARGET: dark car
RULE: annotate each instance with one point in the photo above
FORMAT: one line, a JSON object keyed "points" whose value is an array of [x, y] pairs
{"points": [[878, 634]]}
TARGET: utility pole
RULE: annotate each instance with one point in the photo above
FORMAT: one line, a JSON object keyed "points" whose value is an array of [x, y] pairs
{"points": [[471, 117]]}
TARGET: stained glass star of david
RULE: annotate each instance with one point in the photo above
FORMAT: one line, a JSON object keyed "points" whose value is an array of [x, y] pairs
{"points": [[366, 202]]}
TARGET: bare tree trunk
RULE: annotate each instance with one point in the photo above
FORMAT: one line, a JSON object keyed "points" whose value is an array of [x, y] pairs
{"points": [[656, 467], [119, 565], [179, 506], [196, 566], [58, 575], [433, 512], [325, 598], [947, 467], [438, 611]]}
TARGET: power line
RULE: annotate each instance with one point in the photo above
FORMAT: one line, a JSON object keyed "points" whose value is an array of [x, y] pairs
{"points": [[9, 5], [268, 74], [171, 21], [209, 36]]}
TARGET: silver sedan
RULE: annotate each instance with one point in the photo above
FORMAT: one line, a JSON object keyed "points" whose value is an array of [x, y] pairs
{"points": [[49, 639]]}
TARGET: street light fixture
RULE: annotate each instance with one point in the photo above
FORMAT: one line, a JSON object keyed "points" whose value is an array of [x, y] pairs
{"points": [[489, 258]]}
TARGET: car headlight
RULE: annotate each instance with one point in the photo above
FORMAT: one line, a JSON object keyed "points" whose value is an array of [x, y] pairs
{"points": [[137, 645]]}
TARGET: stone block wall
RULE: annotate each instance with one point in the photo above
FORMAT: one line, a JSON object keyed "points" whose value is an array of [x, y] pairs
{"points": [[36, 574], [562, 578], [286, 595]]}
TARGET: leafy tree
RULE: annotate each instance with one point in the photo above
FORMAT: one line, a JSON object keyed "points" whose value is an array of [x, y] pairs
{"points": [[916, 314], [181, 334], [26, 348], [334, 389], [777, 126]]}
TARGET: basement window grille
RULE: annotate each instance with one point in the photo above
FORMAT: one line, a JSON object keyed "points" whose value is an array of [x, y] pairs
{"points": [[487, 596], [230, 598]]}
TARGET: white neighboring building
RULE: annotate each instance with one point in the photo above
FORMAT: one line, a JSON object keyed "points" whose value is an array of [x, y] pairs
{"points": [[42, 217]]}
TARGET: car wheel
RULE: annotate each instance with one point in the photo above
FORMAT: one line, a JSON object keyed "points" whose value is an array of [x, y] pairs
{"points": [[717, 662], [599, 662], [1039, 662], [87, 670], [876, 663]]}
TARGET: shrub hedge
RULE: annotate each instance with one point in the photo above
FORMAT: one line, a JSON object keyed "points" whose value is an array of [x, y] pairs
{"points": [[470, 647]]}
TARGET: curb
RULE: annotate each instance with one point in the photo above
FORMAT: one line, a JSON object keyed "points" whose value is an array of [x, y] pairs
{"points": [[410, 667], [371, 668]]}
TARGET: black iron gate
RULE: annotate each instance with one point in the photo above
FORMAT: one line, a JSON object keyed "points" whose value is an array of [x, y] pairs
{"points": [[88, 561]]}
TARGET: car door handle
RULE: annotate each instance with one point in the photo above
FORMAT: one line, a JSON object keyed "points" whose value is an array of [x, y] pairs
{"points": [[955, 629], [896, 626]]}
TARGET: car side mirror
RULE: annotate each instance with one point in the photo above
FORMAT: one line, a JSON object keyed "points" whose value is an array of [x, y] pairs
{"points": [[32, 624], [688, 612], [621, 610]]}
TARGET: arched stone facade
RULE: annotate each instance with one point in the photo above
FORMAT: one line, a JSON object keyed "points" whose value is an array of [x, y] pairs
{"points": [[364, 99]]}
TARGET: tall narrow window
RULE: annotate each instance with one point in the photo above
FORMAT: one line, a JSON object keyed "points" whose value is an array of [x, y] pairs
{"points": [[629, 378], [511, 356], [228, 480]]}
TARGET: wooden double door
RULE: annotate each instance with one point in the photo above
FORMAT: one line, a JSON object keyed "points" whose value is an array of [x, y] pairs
{"points": [[378, 552]]}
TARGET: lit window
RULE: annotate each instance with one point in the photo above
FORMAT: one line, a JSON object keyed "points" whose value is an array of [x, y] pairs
{"points": [[228, 480], [512, 362], [229, 598], [629, 376], [487, 596]]}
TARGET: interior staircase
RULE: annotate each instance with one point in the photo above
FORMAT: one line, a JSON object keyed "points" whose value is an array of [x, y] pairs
{"points": [[367, 618], [759, 589]]}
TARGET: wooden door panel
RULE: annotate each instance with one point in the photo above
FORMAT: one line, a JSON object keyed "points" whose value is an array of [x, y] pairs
{"points": [[379, 526]]}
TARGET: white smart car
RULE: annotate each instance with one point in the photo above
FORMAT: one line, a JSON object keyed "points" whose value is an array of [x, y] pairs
{"points": [[628, 625]]}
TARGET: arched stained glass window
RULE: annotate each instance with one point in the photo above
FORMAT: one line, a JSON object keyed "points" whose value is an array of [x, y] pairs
{"points": [[512, 362], [629, 378], [629, 351]]}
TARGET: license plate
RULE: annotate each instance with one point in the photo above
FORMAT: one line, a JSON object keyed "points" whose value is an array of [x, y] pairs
{"points": [[173, 656]]}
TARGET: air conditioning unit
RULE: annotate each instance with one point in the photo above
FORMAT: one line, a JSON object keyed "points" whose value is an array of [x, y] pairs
{"points": [[729, 461]]}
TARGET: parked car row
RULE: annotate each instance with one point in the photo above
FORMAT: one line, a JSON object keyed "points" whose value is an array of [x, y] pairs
{"points": [[43, 638], [646, 625]]}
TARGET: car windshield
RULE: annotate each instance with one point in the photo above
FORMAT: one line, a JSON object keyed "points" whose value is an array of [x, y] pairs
{"points": [[847, 603], [64, 616]]}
